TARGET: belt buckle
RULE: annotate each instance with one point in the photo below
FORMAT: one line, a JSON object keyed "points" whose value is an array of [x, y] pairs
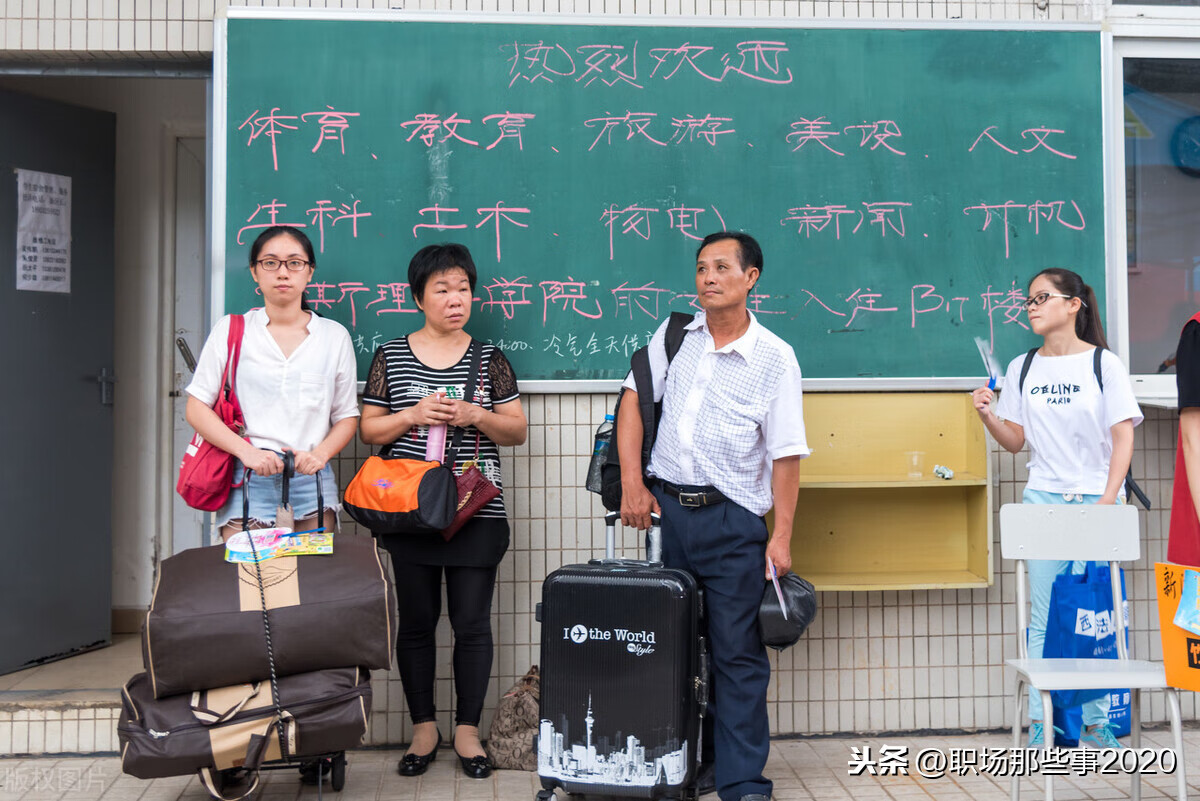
{"points": [[692, 500]]}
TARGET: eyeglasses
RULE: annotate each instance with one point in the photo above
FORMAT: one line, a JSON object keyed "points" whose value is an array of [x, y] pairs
{"points": [[1042, 297], [271, 265]]}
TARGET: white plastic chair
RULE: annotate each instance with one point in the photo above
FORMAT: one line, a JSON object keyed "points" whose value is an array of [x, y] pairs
{"points": [[1098, 534]]}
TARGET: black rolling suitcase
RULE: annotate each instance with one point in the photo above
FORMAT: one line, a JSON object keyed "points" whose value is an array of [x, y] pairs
{"points": [[623, 678]]}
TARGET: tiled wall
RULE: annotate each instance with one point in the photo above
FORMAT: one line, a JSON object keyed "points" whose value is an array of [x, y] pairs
{"points": [[872, 661], [174, 29], [58, 730]]}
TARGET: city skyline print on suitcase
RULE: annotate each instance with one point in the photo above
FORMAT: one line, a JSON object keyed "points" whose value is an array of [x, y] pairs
{"points": [[622, 686]]}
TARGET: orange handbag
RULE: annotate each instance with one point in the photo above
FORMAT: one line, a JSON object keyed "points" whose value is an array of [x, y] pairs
{"points": [[391, 495], [394, 495]]}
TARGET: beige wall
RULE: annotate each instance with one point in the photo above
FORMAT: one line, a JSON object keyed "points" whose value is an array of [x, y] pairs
{"points": [[182, 28]]}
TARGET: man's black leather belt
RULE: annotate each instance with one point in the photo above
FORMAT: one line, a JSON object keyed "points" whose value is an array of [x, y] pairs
{"points": [[693, 497]]}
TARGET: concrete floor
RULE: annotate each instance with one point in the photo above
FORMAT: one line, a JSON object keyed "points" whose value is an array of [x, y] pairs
{"points": [[815, 769]]}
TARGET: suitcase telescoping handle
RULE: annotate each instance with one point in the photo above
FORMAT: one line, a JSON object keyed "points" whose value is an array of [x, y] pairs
{"points": [[653, 538]]}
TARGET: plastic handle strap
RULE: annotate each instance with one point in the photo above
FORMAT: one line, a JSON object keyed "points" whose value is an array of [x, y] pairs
{"points": [[209, 716]]}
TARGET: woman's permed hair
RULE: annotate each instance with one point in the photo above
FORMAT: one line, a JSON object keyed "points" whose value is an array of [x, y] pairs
{"points": [[1087, 322], [433, 259]]}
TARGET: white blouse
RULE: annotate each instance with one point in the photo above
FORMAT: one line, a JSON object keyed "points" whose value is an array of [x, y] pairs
{"points": [[291, 401]]}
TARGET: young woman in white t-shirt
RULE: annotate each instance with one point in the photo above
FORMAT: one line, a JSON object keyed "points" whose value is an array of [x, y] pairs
{"points": [[1080, 440], [297, 385]]}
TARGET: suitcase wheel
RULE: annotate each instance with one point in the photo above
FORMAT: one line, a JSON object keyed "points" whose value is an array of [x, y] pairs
{"points": [[337, 776], [545, 795]]}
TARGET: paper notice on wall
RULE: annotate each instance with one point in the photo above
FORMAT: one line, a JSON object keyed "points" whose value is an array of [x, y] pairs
{"points": [[43, 232]]}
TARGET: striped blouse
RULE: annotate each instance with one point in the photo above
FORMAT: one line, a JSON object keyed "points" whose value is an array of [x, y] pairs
{"points": [[398, 380]]}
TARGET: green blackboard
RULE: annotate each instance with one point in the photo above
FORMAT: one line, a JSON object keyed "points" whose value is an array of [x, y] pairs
{"points": [[904, 184]]}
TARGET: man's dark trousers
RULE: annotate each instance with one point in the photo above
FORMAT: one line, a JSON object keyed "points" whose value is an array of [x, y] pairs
{"points": [[724, 546]]}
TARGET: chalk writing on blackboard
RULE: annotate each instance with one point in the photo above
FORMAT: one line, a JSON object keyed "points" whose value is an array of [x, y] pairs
{"points": [[644, 298], [1000, 307], [571, 293], [611, 64], [437, 224], [331, 125], [319, 213], [510, 125], [497, 214], [1039, 136], [888, 215], [635, 220], [272, 210], [872, 135], [649, 302], [1038, 210], [433, 128], [325, 210], [426, 126], [507, 294]]}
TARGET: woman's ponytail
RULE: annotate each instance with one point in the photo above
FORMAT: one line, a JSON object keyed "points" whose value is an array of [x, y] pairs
{"points": [[1087, 323]]}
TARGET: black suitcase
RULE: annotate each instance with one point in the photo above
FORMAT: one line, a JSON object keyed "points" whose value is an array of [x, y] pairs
{"points": [[623, 678]]}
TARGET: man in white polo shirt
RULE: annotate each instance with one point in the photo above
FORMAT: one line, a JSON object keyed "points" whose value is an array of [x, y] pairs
{"points": [[728, 449]]}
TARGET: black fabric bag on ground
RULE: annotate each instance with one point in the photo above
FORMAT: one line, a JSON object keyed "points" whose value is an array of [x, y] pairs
{"points": [[204, 627], [233, 727]]}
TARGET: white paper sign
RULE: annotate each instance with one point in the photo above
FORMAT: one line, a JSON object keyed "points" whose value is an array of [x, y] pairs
{"points": [[43, 232]]}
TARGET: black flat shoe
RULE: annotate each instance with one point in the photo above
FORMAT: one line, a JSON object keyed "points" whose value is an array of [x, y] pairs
{"points": [[479, 767], [416, 764]]}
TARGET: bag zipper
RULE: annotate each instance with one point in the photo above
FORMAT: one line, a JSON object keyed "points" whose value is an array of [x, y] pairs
{"points": [[244, 714]]}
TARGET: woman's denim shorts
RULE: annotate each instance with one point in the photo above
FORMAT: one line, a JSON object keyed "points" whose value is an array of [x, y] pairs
{"points": [[266, 493]]}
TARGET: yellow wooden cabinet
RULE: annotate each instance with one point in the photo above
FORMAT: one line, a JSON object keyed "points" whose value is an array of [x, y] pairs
{"points": [[864, 521]]}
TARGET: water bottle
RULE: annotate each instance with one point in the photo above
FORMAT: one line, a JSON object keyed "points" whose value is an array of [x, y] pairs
{"points": [[435, 445], [599, 453]]}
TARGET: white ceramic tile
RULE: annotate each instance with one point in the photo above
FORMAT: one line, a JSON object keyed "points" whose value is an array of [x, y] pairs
{"points": [[20, 737]]}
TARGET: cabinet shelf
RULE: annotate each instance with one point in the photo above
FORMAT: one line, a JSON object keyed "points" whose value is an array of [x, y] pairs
{"points": [[883, 480], [862, 523]]}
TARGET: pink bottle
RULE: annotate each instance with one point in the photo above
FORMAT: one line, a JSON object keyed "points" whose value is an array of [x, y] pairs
{"points": [[435, 446]]}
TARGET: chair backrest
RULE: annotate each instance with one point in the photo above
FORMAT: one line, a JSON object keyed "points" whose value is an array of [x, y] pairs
{"points": [[1069, 531]]}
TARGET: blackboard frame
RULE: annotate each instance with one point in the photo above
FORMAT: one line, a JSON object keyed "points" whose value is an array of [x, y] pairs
{"points": [[220, 119]]}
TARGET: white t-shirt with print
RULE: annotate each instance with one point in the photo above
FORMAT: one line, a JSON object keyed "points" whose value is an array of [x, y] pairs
{"points": [[1067, 419]]}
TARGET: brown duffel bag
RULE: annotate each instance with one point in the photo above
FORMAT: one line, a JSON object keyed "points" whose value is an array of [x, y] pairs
{"points": [[205, 628], [238, 726]]}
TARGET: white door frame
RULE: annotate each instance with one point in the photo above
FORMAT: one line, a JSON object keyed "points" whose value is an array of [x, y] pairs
{"points": [[167, 467]]}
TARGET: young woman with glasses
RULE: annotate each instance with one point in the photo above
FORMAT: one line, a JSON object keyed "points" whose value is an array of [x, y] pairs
{"points": [[1080, 440], [296, 382]]}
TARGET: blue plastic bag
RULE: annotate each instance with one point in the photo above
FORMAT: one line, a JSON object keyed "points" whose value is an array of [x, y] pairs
{"points": [[1080, 625], [1068, 721]]}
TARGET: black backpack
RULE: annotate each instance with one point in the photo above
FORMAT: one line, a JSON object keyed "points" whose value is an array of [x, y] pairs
{"points": [[1131, 486], [610, 474]]}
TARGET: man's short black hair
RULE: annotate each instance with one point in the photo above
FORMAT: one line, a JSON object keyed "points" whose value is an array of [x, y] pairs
{"points": [[433, 259], [749, 252]]}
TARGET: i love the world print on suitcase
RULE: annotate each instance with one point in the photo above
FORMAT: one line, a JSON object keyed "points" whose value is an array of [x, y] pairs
{"points": [[623, 683]]}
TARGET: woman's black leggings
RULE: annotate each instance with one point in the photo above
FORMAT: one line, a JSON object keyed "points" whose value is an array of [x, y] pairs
{"points": [[469, 598]]}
